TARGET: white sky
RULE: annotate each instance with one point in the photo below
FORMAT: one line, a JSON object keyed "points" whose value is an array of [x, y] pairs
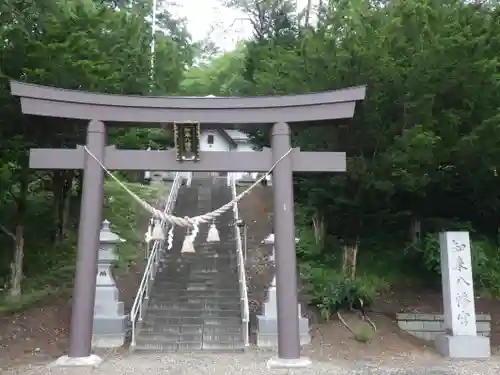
{"points": [[205, 15]]}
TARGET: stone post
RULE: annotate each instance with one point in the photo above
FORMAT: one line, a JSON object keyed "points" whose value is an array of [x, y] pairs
{"points": [[267, 324], [109, 315], [460, 339]]}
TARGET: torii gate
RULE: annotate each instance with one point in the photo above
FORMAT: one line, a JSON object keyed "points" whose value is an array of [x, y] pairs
{"points": [[275, 112]]}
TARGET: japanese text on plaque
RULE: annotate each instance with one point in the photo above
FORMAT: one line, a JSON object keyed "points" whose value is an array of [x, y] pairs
{"points": [[462, 298]]}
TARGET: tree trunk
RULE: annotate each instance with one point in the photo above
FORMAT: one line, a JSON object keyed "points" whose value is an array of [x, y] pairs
{"points": [[57, 192], [66, 205], [62, 183], [16, 266], [349, 260], [308, 13], [415, 230], [79, 179], [319, 229], [65, 215]]}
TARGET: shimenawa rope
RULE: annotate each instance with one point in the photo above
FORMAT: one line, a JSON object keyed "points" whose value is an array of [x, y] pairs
{"points": [[186, 222]]}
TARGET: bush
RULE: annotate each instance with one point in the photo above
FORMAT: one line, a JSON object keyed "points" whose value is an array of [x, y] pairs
{"points": [[329, 292]]}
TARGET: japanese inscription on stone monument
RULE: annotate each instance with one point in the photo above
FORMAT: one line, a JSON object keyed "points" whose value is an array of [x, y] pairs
{"points": [[458, 292]]}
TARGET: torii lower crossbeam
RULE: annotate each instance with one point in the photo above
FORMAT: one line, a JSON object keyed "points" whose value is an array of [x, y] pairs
{"points": [[216, 161]]}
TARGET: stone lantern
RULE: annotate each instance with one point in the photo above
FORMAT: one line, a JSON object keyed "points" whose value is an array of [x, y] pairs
{"points": [[267, 324], [269, 240], [109, 315]]}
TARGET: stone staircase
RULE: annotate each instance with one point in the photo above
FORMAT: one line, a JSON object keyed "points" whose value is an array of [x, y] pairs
{"points": [[195, 303]]}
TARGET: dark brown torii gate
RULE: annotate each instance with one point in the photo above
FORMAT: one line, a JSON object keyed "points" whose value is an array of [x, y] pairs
{"points": [[274, 111]]}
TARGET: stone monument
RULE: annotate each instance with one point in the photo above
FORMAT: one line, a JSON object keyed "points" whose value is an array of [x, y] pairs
{"points": [[460, 339], [109, 316], [267, 324]]}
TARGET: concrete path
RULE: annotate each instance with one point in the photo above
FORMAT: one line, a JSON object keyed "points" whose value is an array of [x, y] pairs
{"points": [[253, 363]]}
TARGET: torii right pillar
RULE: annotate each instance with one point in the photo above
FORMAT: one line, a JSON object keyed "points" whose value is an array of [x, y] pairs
{"points": [[285, 257]]}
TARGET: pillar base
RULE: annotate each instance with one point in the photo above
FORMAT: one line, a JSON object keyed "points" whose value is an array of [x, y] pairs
{"points": [[267, 331], [66, 361], [108, 341], [268, 341], [109, 331], [465, 347], [277, 362]]}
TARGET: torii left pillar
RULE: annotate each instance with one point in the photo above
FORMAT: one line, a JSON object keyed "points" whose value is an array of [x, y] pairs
{"points": [[80, 335]]}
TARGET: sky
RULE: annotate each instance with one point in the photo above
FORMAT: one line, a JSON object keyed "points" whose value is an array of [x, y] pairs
{"points": [[228, 25]]}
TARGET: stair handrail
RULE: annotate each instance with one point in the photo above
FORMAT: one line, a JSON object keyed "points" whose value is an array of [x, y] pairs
{"points": [[245, 310], [142, 296]]}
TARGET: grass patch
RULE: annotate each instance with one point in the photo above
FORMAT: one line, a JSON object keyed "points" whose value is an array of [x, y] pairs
{"points": [[49, 270], [364, 334]]}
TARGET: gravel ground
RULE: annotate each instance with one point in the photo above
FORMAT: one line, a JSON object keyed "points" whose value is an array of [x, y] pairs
{"points": [[253, 362]]}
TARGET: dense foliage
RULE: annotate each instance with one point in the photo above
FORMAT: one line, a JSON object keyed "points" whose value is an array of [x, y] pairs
{"points": [[423, 148], [101, 46]]}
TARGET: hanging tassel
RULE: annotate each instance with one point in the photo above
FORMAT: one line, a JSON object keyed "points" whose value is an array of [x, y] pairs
{"points": [[195, 231], [148, 235], [187, 245], [213, 233], [158, 234], [170, 238]]}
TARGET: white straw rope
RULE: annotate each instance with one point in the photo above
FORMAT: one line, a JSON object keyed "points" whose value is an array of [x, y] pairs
{"points": [[186, 222]]}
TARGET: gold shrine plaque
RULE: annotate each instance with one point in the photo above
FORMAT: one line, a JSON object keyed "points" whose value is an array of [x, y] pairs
{"points": [[187, 141]]}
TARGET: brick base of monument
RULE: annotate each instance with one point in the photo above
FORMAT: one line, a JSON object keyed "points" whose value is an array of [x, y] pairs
{"points": [[267, 325], [465, 347]]}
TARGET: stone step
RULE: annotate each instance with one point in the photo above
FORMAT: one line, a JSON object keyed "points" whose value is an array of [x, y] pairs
{"points": [[207, 304], [183, 296], [218, 347], [198, 260], [191, 337], [217, 277], [199, 273], [203, 314], [202, 268], [199, 264], [223, 250], [191, 328], [195, 289], [184, 299], [156, 321], [183, 285], [194, 286]]}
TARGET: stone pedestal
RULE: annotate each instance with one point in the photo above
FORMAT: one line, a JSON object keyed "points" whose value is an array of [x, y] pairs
{"points": [[109, 316], [267, 324], [66, 361], [460, 339], [463, 347]]}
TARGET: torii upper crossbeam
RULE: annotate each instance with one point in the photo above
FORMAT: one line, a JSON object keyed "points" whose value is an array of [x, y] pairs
{"points": [[275, 111]]}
